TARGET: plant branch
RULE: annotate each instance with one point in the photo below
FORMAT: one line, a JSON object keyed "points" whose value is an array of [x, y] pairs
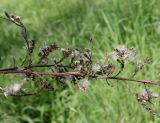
{"points": [[75, 74]]}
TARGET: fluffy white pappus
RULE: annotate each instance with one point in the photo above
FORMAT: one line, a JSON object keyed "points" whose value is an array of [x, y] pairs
{"points": [[12, 89], [96, 67], [123, 53], [149, 93], [84, 86], [121, 48]]}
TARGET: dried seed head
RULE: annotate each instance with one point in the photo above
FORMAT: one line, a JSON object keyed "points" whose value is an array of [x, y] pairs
{"points": [[146, 95], [108, 69], [44, 53], [13, 89], [74, 54], [142, 63], [77, 63], [66, 52], [84, 57], [121, 52], [96, 68], [15, 18], [149, 94], [84, 85]]}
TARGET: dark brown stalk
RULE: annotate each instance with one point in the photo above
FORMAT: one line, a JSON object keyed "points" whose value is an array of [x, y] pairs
{"points": [[76, 74]]}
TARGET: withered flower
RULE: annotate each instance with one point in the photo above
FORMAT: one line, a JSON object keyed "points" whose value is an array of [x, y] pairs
{"points": [[96, 68], [84, 85], [123, 53], [13, 89], [142, 63]]}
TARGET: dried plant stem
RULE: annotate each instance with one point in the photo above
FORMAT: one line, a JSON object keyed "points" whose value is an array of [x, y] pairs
{"points": [[36, 66], [22, 71], [80, 67]]}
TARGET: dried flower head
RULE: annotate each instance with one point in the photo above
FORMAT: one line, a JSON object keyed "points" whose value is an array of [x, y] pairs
{"points": [[66, 52], [108, 69], [44, 53], [85, 57], [84, 85], [13, 89], [142, 63], [146, 95], [123, 53], [96, 68], [74, 53], [76, 66]]}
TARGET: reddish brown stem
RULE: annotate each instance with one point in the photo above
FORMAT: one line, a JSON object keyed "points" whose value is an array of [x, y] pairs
{"points": [[76, 74]]}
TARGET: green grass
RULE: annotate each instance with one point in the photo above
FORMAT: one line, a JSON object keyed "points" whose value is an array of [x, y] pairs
{"points": [[135, 23]]}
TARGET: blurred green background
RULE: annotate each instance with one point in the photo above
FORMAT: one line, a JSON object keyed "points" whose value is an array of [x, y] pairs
{"points": [[135, 23]]}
